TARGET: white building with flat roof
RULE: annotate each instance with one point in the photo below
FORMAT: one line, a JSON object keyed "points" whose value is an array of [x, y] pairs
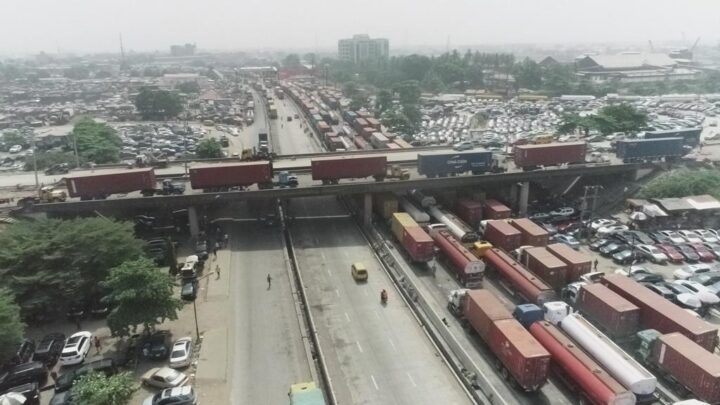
{"points": [[362, 48]]}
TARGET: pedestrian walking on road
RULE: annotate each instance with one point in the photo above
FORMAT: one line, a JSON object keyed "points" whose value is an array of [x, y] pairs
{"points": [[215, 249], [77, 322], [269, 280], [97, 344], [217, 272], [226, 238], [595, 263]]}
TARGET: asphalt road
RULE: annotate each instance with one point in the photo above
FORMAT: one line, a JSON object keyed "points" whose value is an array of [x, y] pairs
{"points": [[375, 354], [267, 349], [292, 136]]}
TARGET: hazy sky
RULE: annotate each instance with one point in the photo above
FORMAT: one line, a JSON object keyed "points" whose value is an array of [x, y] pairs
{"points": [[29, 26]]}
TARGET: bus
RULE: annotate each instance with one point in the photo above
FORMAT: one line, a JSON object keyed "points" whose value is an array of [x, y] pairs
{"points": [[306, 394], [273, 113]]}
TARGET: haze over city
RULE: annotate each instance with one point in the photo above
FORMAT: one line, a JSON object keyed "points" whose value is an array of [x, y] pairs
{"points": [[92, 26]]}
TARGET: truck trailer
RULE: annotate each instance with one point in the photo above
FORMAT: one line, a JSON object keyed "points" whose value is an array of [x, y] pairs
{"points": [[101, 184]]}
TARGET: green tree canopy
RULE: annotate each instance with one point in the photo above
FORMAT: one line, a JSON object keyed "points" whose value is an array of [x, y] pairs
{"points": [[51, 264], [432, 82], [209, 148], [98, 389], [12, 329], [383, 101], [11, 138], [528, 74], [143, 296], [683, 183], [158, 104], [49, 158], [96, 142], [408, 92], [291, 61], [188, 87]]}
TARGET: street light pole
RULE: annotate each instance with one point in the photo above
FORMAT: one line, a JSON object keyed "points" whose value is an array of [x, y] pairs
{"points": [[197, 328]]}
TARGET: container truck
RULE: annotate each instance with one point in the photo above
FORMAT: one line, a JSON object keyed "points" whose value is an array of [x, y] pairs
{"points": [[416, 242], [619, 364], [545, 265], [647, 150], [469, 211], [523, 283], [681, 362], [332, 170], [455, 225], [442, 164], [614, 315], [579, 371], [493, 209], [530, 157], [223, 177], [660, 314], [467, 267], [419, 216], [691, 136], [419, 197], [521, 357], [385, 204], [502, 235], [532, 233], [578, 263], [101, 184]]}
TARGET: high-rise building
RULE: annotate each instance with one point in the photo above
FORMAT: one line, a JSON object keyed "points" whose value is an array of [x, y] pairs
{"points": [[361, 48], [182, 50]]}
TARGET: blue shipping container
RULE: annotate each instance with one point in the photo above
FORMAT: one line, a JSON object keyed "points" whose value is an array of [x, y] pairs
{"points": [[649, 149], [443, 164], [691, 136]]}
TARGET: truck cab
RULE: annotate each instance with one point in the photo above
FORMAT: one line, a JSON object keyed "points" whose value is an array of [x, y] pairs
{"points": [[455, 301], [556, 311], [570, 293]]}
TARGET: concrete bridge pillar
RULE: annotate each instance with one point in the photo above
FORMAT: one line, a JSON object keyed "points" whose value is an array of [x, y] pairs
{"points": [[194, 223], [367, 210], [523, 198]]}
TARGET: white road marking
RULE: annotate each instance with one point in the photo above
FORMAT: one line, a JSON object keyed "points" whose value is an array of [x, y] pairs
{"points": [[337, 292], [392, 344], [411, 380], [359, 347], [372, 377], [347, 317]]}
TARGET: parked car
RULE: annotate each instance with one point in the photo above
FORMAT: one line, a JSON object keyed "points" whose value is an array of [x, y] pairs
{"points": [[652, 253], [569, 227], [709, 279], [612, 248], [659, 237], [628, 256], [704, 294], [660, 290], [637, 237], [673, 236], [706, 235], [689, 254], [76, 348], [105, 366], [464, 145], [568, 240], [181, 354], [596, 245], [31, 392], [690, 236], [34, 371], [611, 229], [706, 255], [189, 289], [714, 248], [549, 228], [49, 349], [184, 395], [683, 297], [691, 270], [672, 254], [164, 377], [601, 222], [563, 212], [15, 149], [647, 278], [157, 345]]}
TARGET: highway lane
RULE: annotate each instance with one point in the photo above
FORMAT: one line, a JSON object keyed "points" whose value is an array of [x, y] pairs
{"points": [[375, 354], [292, 137], [267, 349]]}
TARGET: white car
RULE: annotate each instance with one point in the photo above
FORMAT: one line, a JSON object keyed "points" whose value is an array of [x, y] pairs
{"points": [[707, 236], [690, 236], [611, 229], [652, 253], [673, 236], [164, 377], [181, 353], [704, 294], [15, 149], [691, 270], [563, 212], [599, 223], [76, 348]]}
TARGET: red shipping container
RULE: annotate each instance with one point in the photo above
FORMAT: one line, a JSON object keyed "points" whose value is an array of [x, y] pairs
{"points": [[105, 183], [224, 176], [503, 235], [493, 209], [481, 309], [323, 127], [549, 154], [469, 211], [532, 233], [548, 267], [526, 284], [419, 245], [359, 124], [526, 360], [348, 167], [611, 313], [660, 314], [690, 364], [578, 263], [373, 123], [468, 269]]}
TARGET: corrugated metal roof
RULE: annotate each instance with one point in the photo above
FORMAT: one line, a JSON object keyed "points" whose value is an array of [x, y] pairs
{"points": [[673, 204], [703, 202], [633, 60]]}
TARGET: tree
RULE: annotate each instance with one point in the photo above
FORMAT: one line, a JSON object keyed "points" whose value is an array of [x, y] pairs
{"points": [[383, 101], [351, 89], [528, 74], [12, 329], [408, 92], [188, 87], [96, 142], [51, 264], [682, 183], [209, 149], [432, 82], [291, 61], [98, 389], [158, 104], [11, 138], [143, 296], [620, 118], [358, 101], [49, 158]]}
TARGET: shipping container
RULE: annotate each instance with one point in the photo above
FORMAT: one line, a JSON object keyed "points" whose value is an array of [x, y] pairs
{"points": [[638, 150], [372, 122], [378, 140], [493, 209], [419, 246], [222, 177], [579, 370], [468, 269], [524, 358], [442, 164], [503, 235], [366, 133], [578, 263], [469, 211], [660, 314], [522, 282], [350, 117], [400, 221], [545, 265], [101, 184], [392, 146], [691, 136], [532, 233], [330, 170], [323, 127], [611, 313], [359, 124], [482, 308], [361, 143], [385, 204], [690, 365], [401, 143], [531, 156]]}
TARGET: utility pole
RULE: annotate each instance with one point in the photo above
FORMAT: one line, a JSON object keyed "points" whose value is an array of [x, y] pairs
{"points": [[589, 203]]}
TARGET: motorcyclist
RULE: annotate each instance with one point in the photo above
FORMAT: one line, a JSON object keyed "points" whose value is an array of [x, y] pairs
{"points": [[383, 296]]}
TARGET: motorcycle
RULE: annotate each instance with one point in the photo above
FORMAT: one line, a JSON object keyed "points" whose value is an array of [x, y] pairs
{"points": [[383, 297]]}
